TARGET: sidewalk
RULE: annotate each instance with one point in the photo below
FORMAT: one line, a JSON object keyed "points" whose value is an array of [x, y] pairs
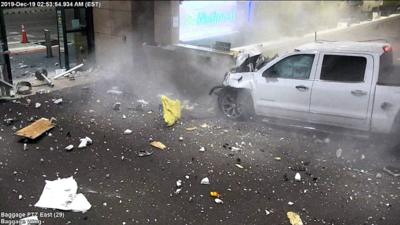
{"points": [[17, 48]]}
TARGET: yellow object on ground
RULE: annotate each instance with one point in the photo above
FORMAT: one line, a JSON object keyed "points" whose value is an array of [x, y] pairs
{"points": [[171, 110], [294, 218], [36, 129], [215, 194], [158, 144]]}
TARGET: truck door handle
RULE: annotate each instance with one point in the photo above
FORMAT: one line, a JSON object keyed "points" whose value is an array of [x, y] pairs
{"points": [[302, 87], [358, 92]]}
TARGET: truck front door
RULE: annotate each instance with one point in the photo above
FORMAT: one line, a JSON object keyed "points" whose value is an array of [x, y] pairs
{"points": [[341, 92], [284, 89]]}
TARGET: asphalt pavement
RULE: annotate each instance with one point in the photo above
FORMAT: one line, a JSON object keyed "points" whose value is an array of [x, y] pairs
{"points": [[252, 164]]}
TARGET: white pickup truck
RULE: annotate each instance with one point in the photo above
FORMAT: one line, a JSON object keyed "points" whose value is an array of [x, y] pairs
{"points": [[346, 84]]}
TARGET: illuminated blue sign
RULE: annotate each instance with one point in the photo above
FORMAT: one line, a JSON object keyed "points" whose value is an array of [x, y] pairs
{"points": [[204, 19]]}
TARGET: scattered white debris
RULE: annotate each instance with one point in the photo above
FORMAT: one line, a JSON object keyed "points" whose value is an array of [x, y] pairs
{"points": [[128, 131], [235, 149], [339, 153], [204, 125], [378, 175], [123, 116], [114, 92], [29, 220], [25, 146], [180, 138], [178, 190], [143, 102], [362, 156], [89, 140], [297, 177], [187, 177], [205, 180], [104, 203], [69, 147], [178, 183], [19, 197], [37, 105], [58, 101], [202, 149], [267, 212], [61, 194], [84, 142], [239, 166], [218, 201], [290, 203]]}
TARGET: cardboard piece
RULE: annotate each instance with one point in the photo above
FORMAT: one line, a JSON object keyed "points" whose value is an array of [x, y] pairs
{"points": [[36, 129]]}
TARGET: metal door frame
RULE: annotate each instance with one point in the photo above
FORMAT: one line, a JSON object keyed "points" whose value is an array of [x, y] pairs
{"points": [[3, 38], [88, 30]]}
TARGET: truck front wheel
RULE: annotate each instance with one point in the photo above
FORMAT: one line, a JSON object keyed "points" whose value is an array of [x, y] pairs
{"points": [[236, 104]]}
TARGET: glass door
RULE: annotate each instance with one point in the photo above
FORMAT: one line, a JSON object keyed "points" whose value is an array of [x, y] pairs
{"points": [[76, 39]]}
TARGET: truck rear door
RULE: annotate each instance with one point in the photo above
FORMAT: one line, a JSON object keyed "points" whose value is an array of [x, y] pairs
{"points": [[341, 92]]}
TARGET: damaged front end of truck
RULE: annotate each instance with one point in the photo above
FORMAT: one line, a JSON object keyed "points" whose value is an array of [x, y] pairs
{"points": [[234, 95]]}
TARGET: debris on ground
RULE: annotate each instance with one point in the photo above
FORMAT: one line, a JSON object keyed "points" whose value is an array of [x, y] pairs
{"points": [[278, 158], [204, 125], [114, 91], [36, 129], [58, 101], [142, 101], [190, 128], [297, 177], [171, 110], [215, 194], [37, 105], [179, 183], [239, 166], [294, 218], [218, 201], [205, 181], [62, 194], [158, 145], [394, 171], [84, 142], [180, 138], [69, 147], [143, 153], [128, 131], [290, 203], [202, 149], [117, 106], [339, 153], [32, 220]]}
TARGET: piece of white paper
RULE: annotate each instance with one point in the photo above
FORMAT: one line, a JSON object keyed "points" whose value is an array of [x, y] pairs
{"points": [[61, 194]]}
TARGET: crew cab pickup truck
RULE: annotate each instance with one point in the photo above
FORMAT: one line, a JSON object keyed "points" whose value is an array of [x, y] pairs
{"points": [[346, 84]]}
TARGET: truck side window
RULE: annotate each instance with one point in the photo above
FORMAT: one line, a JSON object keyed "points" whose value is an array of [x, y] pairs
{"points": [[292, 67], [343, 68]]}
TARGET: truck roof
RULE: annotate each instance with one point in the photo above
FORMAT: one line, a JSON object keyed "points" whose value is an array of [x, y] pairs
{"points": [[344, 46]]}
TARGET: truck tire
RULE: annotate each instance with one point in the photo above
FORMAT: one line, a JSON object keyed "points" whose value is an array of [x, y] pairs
{"points": [[236, 104]]}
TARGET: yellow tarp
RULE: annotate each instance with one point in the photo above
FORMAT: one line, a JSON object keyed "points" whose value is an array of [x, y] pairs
{"points": [[171, 110]]}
